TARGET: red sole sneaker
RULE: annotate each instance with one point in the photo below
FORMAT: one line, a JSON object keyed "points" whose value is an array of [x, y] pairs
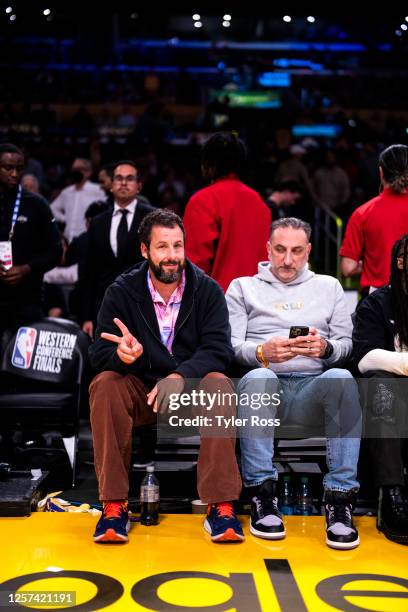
{"points": [[110, 536], [228, 536]]}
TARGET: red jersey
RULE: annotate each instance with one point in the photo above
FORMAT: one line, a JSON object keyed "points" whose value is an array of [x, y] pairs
{"points": [[371, 232], [227, 227]]}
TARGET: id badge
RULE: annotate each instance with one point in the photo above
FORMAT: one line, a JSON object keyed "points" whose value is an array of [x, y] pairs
{"points": [[6, 254]]}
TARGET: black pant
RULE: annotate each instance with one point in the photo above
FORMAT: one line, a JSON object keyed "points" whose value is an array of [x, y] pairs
{"points": [[385, 398], [14, 316]]}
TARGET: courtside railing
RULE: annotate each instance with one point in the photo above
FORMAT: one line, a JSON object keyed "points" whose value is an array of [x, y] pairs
{"points": [[327, 238]]}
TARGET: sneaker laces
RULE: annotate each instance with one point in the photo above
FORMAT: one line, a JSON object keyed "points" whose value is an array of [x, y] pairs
{"points": [[340, 513], [113, 509], [267, 506], [225, 510]]}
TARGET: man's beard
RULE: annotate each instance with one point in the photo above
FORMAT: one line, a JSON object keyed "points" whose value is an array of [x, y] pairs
{"points": [[167, 277]]}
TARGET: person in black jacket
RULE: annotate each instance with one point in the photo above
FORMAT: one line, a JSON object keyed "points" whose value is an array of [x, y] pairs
{"points": [[113, 243], [29, 244], [161, 323], [380, 351], [105, 180]]}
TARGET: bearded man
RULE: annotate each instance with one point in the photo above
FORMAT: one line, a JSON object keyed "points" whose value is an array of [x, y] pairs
{"points": [[174, 326]]}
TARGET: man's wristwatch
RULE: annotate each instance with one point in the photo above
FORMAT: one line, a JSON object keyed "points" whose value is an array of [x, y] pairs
{"points": [[260, 356], [328, 351]]}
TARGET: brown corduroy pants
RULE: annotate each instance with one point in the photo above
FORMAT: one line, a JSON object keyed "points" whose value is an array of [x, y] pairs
{"points": [[119, 402]]}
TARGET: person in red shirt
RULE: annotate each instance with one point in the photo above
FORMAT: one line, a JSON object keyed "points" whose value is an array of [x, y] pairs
{"points": [[227, 223], [375, 226]]}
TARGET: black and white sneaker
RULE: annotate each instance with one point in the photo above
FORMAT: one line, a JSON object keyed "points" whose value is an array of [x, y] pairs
{"points": [[392, 518], [340, 531], [266, 520]]}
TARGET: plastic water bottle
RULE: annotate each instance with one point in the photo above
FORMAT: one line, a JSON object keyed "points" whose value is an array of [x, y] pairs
{"points": [[304, 505], [149, 498], [286, 501]]}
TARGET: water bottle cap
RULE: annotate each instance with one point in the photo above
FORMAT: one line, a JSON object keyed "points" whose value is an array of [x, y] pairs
{"points": [[304, 479], [286, 478], [150, 468]]}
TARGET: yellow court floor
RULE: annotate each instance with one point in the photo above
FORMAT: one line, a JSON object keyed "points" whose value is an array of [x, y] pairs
{"points": [[175, 566]]}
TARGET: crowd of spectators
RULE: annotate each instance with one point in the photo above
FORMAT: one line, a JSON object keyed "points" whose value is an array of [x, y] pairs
{"points": [[99, 207], [339, 174]]}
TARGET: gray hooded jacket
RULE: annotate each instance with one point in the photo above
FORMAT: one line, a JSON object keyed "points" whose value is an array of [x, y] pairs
{"points": [[262, 306]]}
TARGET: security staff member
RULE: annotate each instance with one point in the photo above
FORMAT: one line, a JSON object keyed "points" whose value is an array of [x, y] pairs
{"points": [[29, 244]]}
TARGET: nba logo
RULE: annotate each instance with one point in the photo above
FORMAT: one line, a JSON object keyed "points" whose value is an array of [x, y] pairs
{"points": [[24, 347]]}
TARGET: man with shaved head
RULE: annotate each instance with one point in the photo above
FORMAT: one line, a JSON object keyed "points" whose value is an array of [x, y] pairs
{"points": [[29, 244]]}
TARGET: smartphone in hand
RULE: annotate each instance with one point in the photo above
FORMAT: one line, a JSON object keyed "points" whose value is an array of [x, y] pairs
{"points": [[298, 330]]}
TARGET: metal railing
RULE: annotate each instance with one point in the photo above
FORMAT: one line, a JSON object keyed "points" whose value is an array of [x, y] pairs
{"points": [[327, 235]]}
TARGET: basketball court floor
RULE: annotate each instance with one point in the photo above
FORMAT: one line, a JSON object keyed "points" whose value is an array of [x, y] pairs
{"points": [[50, 557]]}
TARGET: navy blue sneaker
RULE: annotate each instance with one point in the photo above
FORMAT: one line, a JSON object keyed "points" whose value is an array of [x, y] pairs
{"points": [[114, 524], [222, 524]]}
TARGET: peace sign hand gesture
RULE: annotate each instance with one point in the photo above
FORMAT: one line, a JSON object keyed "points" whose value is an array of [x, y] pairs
{"points": [[129, 349]]}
